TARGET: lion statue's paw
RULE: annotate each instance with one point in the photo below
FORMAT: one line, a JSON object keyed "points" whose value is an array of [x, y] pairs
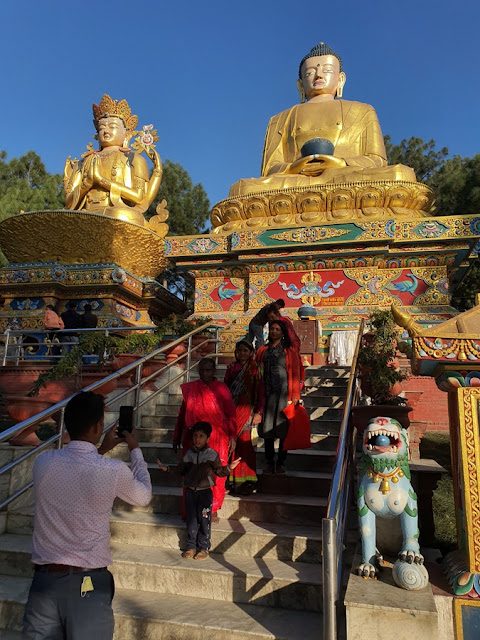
{"points": [[367, 570], [410, 556]]}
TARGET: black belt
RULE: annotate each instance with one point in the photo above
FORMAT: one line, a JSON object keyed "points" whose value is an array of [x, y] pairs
{"points": [[65, 568]]}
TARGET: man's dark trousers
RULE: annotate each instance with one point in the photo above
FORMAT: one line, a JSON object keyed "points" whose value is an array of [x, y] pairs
{"points": [[56, 609], [198, 511]]}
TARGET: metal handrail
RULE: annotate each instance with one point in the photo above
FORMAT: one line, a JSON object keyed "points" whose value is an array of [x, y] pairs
{"points": [[333, 525], [9, 333], [136, 387]]}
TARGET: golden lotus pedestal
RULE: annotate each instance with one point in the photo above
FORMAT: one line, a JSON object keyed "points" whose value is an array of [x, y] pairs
{"points": [[61, 256], [321, 204]]}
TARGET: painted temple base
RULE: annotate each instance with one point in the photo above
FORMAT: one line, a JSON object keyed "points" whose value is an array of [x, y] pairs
{"points": [[320, 204], [344, 269]]}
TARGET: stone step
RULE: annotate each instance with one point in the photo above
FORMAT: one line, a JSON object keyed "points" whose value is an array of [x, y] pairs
{"points": [[320, 437], [141, 615], [300, 460], [263, 581], [256, 508], [319, 422], [232, 578], [242, 538], [331, 402], [290, 483], [327, 389], [256, 539]]}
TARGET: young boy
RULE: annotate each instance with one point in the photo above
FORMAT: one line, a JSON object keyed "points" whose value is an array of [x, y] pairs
{"points": [[199, 466]]}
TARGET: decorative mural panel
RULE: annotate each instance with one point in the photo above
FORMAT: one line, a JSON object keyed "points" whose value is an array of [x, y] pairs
{"points": [[364, 286], [219, 294]]}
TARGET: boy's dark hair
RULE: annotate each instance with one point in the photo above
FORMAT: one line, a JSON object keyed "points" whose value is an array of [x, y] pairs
{"points": [[87, 308], [280, 303], [205, 427], [273, 308], [72, 305], [82, 412]]}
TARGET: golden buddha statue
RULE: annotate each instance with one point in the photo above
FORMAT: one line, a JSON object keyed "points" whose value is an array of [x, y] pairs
{"points": [[114, 180], [324, 160]]}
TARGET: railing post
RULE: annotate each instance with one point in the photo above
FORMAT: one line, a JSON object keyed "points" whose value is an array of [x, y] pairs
{"points": [[7, 337], [138, 382], [62, 427], [189, 357], [329, 566], [217, 344]]}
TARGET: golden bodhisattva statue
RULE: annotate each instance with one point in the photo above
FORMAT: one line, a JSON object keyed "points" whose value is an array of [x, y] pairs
{"points": [[114, 180], [324, 160]]}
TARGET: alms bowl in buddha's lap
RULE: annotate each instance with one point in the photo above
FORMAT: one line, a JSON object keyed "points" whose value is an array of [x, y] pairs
{"points": [[317, 145]]}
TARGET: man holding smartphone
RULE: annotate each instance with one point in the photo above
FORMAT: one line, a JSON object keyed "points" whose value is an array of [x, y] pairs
{"points": [[74, 490]]}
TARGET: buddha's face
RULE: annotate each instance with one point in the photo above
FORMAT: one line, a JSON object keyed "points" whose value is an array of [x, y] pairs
{"points": [[321, 76], [111, 132]]}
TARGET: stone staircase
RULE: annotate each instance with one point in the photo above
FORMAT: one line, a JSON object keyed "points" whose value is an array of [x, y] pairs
{"points": [[263, 578]]}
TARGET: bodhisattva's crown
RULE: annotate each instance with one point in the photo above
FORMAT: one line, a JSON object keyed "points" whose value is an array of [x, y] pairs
{"points": [[120, 109]]}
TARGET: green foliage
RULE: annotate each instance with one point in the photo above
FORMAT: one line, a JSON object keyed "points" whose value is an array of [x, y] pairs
{"points": [[419, 155], [177, 326], [376, 358], [25, 185], [436, 445], [187, 203]]}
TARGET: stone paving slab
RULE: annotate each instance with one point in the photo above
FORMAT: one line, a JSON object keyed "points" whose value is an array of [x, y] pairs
{"points": [[264, 581], [155, 616], [240, 537]]}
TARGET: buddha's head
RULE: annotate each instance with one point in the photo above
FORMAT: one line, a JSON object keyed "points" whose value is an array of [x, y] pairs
{"points": [[114, 122], [321, 75]]}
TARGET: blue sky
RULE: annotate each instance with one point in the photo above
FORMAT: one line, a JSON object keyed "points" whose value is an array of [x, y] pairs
{"points": [[210, 74]]}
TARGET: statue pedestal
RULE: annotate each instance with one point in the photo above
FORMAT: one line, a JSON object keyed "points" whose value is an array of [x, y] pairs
{"points": [[344, 269], [58, 256]]}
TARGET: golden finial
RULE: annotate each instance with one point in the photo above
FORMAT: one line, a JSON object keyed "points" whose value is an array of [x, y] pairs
{"points": [[119, 109]]}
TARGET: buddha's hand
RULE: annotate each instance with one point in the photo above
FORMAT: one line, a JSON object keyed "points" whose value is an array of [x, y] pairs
{"points": [[97, 177], [315, 164]]}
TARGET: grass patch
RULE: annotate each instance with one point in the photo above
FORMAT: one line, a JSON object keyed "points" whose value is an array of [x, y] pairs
{"points": [[436, 446]]}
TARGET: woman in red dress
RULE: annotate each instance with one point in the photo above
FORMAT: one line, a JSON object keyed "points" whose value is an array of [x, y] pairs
{"points": [[281, 371], [208, 400], [243, 379]]}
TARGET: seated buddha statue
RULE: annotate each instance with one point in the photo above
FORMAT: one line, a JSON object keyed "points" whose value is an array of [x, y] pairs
{"points": [[323, 141], [114, 180]]}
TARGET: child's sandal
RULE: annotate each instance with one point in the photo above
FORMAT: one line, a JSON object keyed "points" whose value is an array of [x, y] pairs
{"points": [[189, 554], [201, 555]]}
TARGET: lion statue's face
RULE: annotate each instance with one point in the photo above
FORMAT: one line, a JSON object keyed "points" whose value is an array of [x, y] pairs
{"points": [[384, 437]]}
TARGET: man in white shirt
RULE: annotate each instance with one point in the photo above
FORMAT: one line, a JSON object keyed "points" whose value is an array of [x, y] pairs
{"points": [[74, 490]]}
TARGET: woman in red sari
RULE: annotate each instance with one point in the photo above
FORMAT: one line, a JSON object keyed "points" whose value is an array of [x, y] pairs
{"points": [[208, 400], [243, 379]]}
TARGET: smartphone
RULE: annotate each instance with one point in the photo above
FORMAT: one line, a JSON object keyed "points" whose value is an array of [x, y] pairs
{"points": [[125, 421]]}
